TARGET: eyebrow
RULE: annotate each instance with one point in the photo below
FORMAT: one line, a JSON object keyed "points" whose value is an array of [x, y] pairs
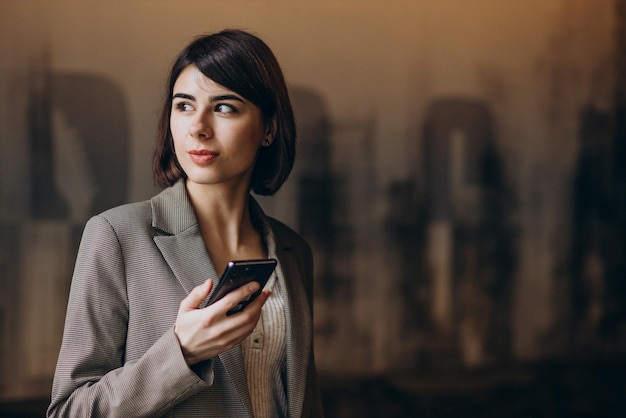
{"points": [[184, 96], [212, 99]]}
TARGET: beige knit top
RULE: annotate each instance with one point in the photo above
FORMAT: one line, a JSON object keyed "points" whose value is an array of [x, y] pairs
{"points": [[264, 357]]}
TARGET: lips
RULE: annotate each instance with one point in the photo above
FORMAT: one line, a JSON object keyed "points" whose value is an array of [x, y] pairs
{"points": [[202, 156]]}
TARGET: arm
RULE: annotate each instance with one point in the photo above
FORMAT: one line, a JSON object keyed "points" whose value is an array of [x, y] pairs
{"points": [[92, 377]]}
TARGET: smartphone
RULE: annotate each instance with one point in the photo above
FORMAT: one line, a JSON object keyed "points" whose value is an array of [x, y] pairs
{"points": [[239, 273]]}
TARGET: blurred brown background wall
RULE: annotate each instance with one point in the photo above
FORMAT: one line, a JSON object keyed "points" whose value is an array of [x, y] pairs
{"points": [[460, 170]]}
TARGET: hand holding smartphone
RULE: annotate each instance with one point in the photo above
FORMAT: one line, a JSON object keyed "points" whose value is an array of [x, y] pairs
{"points": [[239, 273]]}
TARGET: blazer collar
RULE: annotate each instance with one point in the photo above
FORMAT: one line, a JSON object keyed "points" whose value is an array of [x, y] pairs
{"points": [[172, 212], [298, 325], [178, 237]]}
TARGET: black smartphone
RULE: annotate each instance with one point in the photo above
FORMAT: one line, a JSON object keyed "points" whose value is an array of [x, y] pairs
{"points": [[239, 273]]}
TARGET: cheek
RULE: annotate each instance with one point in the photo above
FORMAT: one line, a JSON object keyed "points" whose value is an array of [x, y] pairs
{"points": [[173, 126], [256, 134], [176, 131]]}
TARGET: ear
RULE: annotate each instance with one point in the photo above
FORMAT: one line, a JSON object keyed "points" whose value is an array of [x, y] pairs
{"points": [[270, 131]]}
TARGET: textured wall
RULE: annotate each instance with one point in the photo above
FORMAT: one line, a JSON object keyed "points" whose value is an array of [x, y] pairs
{"points": [[455, 165]]}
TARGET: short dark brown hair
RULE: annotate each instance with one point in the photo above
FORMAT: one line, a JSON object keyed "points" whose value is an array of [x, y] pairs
{"points": [[244, 64]]}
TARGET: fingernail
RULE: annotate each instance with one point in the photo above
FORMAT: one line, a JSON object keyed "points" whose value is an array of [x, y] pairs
{"points": [[253, 287]]}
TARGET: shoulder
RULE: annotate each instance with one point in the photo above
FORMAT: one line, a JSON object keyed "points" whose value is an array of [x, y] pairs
{"points": [[290, 241], [297, 253], [285, 236], [167, 201], [128, 214], [131, 219]]}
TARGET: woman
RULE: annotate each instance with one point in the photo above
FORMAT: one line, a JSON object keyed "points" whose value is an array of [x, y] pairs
{"points": [[138, 340]]}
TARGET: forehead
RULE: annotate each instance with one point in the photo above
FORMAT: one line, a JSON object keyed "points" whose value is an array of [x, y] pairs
{"points": [[192, 79]]}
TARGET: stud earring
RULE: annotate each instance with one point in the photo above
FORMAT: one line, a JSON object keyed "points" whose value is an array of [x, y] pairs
{"points": [[266, 142]]}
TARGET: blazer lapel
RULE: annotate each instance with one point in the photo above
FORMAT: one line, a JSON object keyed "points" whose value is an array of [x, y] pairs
{"points": [[182, 246], [298, 321], [298, 331], [178, 238], [234, 365], [291, 275]]}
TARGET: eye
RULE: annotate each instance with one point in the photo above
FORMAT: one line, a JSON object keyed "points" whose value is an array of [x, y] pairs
{"points": [[225, 108], [184, 107]]}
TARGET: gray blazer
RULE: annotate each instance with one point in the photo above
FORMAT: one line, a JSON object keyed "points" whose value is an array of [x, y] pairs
{"points": [[120, 357]]}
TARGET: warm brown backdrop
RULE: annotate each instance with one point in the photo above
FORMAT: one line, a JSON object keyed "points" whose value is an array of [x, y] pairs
{"points": [[459, 171]]}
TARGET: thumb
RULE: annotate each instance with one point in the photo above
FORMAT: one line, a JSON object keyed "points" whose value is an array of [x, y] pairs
{"points": [[193, 299]]}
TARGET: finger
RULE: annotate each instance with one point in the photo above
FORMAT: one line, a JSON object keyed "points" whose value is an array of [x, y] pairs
{"points": [[254, 308], [233, 298], [195, 297], [251, 314], [260, 301]]}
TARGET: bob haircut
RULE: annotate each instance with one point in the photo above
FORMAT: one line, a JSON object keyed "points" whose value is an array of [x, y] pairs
{"points": [[244, 64]]}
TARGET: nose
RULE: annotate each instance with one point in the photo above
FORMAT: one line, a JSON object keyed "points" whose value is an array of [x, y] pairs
{"points": [[201, 127]]}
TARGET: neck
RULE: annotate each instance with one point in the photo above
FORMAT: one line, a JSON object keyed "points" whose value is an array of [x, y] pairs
{"points": [[224, 218]]}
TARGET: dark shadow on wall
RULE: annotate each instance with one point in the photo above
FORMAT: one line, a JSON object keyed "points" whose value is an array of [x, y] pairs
{"points": [[452, 224], [455, 312], [78, 148], [597, 304], [315, 182], [323, 219], [79, 127], [597, 261], [592, 232]]}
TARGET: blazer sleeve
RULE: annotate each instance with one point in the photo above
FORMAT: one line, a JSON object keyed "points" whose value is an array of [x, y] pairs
{"points": [[92, 378]]}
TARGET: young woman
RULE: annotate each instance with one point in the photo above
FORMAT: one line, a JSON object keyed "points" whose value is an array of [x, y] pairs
{"points": [[138, 339]]}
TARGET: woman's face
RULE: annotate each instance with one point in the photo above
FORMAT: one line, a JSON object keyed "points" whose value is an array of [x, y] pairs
{"points": [[217, 133]]}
